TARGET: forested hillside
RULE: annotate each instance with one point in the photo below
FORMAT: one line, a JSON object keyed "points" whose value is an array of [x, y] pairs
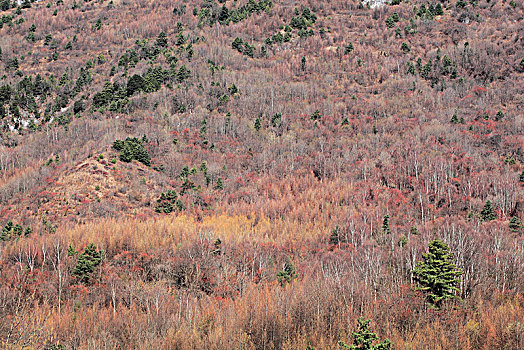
{"points": [[262, 174]]}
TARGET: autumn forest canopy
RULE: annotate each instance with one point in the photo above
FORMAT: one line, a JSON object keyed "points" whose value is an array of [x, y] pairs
{"points": [[261, 174]]}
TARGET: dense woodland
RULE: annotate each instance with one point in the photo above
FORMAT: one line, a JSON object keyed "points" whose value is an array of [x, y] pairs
{"points": [[262, 174]]}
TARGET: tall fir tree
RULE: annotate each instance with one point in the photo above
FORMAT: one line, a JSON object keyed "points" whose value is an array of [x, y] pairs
{"points": [[437, 275], [288, 273], [385, 225], [514, 224], [258, 124], [488, 212], [88, 260], [364, 337]]}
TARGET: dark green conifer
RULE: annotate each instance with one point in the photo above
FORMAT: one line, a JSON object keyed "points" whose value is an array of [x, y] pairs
{"points": [[258, 124], [385, 225], [88, 260], [514, 224], [288, 272], [364, 338], [437, 275], [488, 212]]}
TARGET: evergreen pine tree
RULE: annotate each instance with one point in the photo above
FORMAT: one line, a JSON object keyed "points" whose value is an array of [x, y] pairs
{"points": [[223, 17], [71, 251], [203, 167], [514, 224], [161, 40], [134, 84], [216, 245], [132, 148], [488, 213], [238, 44], [348, 49], [11, 230], [364, 337], [276, 120], [316, 115], [411, 68], [439, 11], [86, 264], [403, 240], [182, 74], [288, 273], [385, 225], [436, 275], [335, 236], [426, 70], [220, 184]]}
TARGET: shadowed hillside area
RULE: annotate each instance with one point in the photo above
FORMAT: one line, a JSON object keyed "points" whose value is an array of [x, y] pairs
{"points": [[262, 174]]}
